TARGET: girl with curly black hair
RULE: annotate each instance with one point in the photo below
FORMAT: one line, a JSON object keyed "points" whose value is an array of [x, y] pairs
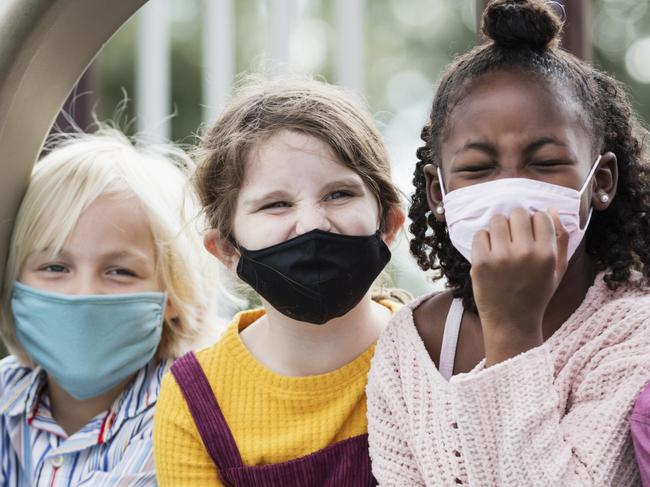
{"points": [[532, 199]]}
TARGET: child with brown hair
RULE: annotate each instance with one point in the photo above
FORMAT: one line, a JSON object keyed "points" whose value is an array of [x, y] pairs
{"points": [[295, 183]]}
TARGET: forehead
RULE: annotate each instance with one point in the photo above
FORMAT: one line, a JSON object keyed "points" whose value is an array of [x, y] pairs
{"points": [[113, 223], [288, 158], [515, 103], [118, 219]]}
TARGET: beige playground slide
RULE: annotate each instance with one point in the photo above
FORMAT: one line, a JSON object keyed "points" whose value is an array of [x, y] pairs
{"points": [[45, 46]]}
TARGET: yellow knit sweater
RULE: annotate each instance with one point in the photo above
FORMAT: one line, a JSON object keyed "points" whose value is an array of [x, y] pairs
{"points": [[273, 418]]}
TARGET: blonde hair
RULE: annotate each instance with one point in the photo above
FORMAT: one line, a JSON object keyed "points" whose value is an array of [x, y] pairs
{"points": [[263, 108], [84, 167]]}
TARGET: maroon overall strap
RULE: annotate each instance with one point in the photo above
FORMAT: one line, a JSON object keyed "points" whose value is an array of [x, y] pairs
{"points": [[212, 426]]}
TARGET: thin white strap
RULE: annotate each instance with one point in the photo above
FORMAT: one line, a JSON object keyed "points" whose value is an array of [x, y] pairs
{"points": [[450, 338]]}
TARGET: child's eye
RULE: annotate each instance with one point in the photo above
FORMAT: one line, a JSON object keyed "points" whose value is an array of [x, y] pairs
{"points": [[474, 172], [549, 163], [120, 271], [475, 168], [53, 268], [275, 204], [335, 195]]}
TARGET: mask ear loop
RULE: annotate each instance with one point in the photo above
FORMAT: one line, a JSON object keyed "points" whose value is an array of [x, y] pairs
{"points": [[590, 175], [442, 184], [584, 187]]}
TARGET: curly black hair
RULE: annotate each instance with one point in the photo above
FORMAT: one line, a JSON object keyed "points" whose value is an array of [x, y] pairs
{"points": [[523, 36]]}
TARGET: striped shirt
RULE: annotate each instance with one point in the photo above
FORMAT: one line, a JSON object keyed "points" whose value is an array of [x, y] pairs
{"points": [[114, 448]]}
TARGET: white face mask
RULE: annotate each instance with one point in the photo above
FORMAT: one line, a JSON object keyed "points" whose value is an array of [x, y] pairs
{"points": [[470, 209]]}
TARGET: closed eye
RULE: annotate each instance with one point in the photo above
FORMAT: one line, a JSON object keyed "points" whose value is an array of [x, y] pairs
{"points": [[275, 204], [473, 167], [474, 171], [551, 163]]}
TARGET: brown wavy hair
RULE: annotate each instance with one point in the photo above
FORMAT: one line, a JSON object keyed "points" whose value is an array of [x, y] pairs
{"points": [[261, 109]]}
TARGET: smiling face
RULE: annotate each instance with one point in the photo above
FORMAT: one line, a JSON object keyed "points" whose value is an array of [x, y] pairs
{"points": [[294, 184], [110, 251]]}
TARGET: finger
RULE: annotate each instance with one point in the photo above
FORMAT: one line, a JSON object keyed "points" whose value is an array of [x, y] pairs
{"points": [[543, 230], [521, 228], [561, 239], [481, 246], [500, 238]]}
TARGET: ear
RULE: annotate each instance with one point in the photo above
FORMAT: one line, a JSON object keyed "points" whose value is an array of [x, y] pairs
{"points": [[393, 224], [605, 182], [171, 313], [433, 191], [222, 249]]}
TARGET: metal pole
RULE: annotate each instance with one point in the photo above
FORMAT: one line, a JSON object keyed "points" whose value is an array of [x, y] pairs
{"points": [[351, 42], [153, 71], [281, 16], [577, 34], [218, 56]]}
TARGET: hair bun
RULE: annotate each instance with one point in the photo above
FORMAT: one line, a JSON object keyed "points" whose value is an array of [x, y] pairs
{"points": [[518, 23]]}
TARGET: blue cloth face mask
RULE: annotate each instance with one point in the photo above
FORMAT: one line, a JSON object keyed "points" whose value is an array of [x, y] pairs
{"points": [[89, 344]]}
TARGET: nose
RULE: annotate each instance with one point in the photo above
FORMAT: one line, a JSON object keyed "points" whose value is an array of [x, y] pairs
{"points": [[84, 285], [314, 218]]}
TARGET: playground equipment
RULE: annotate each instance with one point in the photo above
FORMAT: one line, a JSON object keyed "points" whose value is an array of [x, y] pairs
{"points": [[45, 46]]}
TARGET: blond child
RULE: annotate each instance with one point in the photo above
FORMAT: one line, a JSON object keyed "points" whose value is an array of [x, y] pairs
{"points": [[105, 283]]}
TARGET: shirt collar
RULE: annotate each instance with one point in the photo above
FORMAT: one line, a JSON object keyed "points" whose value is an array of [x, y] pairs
{"points": [[140, 395], [21, 395]]}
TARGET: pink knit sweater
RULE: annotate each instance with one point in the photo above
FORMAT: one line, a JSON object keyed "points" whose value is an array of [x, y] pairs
{"points": [[556, 415]]}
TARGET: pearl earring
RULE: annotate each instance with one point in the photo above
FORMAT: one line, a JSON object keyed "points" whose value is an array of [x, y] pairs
{"points": [[604, 198], [440, 210]]}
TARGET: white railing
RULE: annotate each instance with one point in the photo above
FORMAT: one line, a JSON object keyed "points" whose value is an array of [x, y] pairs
{"points": [[153, 64], [153, 70]]}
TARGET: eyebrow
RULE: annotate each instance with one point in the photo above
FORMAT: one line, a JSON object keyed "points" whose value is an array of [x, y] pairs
{"points": [[492, 151], [349, 182], [542, 141], [118, 254], [479, 146], [125, 254]]}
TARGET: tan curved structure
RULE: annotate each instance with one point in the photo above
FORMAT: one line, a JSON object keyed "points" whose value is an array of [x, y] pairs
{"points": [[45, 46]]}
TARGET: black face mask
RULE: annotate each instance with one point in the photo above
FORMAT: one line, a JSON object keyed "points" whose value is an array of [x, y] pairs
{"points": [[316, 276]]}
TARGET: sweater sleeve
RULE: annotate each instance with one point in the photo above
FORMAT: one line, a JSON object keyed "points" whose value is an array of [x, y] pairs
{"points": [[393, 463], [640, 429], [514, 431], [179, 453]]}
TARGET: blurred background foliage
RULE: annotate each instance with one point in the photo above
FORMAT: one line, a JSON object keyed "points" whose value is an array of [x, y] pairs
{"points": [[408, 45]]}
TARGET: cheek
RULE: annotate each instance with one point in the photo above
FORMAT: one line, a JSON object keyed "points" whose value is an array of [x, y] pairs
{"points": [[31, 279], [361, 218], [258, 231]]}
